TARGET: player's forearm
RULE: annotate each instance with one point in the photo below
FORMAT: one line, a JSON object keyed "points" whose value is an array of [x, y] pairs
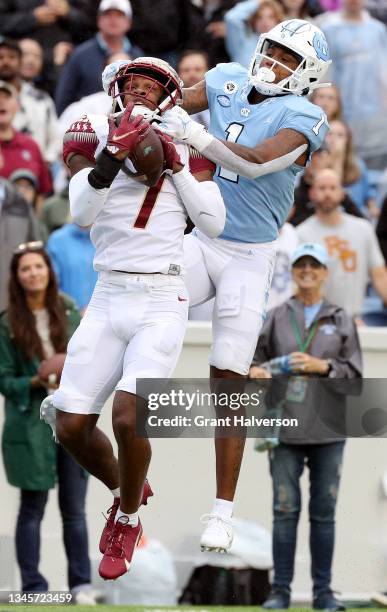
{"points": [[195, 98], [86, 202], [247, 162], [203, 202]]}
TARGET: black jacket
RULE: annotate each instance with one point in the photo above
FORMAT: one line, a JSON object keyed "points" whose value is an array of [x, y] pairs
{"points": [[381, 230]]}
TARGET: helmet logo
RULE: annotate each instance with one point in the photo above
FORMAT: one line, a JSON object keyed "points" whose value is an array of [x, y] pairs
{"points": [[320, 45], [295, 26]]}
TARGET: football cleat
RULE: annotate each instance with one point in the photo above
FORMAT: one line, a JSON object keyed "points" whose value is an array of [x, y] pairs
{"points": [[48, 414], [119, 552], [108, 529], [218, 534]]}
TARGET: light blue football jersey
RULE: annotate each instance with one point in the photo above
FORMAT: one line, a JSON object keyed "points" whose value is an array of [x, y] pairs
{"points": [[257, 208]]}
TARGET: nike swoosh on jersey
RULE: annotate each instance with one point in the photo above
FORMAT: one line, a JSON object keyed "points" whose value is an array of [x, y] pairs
{"points": [[181, 299]]}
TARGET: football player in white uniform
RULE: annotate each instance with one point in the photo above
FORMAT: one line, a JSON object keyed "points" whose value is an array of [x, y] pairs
{"points": [[135, 323]]}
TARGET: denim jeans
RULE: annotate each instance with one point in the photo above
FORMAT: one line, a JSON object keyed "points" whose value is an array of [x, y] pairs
{"points": [[286, 466], [71, 496]]}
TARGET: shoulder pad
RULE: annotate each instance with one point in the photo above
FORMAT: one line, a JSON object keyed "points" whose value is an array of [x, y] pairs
{"points": [[81, 131]]}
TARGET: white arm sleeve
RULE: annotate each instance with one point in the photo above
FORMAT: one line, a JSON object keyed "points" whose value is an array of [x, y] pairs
{"points": [[85, 201], [217, 152], [203, 202]]}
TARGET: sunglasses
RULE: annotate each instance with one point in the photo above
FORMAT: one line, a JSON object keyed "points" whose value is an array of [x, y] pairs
{"points": [[35, 245]]}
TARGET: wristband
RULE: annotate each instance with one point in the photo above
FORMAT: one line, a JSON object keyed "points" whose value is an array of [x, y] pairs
{"points": [[105, 170]]}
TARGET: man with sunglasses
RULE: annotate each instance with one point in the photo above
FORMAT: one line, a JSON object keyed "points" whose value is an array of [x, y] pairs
{"points": [[135, 322], [317, 340]]}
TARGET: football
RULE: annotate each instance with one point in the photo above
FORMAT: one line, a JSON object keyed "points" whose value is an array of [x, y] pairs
{"points": [[51, 366], [148, 158]]}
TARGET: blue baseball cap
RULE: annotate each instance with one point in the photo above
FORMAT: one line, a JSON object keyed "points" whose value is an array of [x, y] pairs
{"points": [[311, 249]]}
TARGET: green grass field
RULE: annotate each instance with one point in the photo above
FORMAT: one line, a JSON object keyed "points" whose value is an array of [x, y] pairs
{"points": [[105, 608]]}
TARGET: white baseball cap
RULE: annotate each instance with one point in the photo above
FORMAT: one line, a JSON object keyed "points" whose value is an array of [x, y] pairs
{"points": [[119, 5]]}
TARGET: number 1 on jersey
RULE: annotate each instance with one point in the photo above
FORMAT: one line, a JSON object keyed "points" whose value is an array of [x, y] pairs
{"points": [[233, 132]]}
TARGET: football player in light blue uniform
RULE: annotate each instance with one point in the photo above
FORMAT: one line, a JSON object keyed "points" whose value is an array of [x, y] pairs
{"points": [[262, 133]]}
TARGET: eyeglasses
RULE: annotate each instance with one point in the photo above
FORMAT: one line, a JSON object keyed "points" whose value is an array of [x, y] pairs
{"points": [[314, 264], [35, 245]]}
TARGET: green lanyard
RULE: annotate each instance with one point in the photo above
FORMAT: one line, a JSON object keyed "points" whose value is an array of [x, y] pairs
{"points": [[302, 344]]}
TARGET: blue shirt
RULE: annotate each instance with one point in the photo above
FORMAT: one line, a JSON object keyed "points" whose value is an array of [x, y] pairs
{"points": [[72, 254], [310, 313], [241, 40], [257, 208]]}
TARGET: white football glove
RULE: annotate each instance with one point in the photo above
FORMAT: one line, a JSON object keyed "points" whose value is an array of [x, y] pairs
{"points": [[179, 125]]}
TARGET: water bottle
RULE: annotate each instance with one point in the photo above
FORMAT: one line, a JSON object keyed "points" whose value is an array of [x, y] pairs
{"points": [[278, 365]]}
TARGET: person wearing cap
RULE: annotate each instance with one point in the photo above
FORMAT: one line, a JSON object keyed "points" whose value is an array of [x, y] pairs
{"points": [[36, 114], [319, 340], [19, 150], [81, 76], [355, 257]]}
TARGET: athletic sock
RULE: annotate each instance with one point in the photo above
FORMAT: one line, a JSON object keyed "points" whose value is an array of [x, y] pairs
{"points": [[115, 492], [223, 508], [132, 518]]}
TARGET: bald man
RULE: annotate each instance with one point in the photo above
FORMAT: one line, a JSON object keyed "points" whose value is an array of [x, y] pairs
{"points": [[355, 255]]}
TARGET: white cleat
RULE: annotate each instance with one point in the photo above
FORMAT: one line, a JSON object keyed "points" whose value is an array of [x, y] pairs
{"points": [[218, 534], [48, 414]]}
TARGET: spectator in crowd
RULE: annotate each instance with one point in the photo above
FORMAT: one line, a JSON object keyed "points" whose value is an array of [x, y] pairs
{"points": [[209, 28], [36, 114], [37, 325], [56, 211], [31, 61], [355, 256], [245, 22], [96, 103], [303, 206], [26, 184], [301, 9], [351, 170], [329, 99], [381, 230], [47, 21], [358, 48], [72, 253], [191, 67], [320, 339], [17, 224], [81, 76], [281, 287], [18, 150], [163, 32]]}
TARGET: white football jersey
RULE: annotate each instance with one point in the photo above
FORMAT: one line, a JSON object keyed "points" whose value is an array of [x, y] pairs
{"points": [[139, 229]]}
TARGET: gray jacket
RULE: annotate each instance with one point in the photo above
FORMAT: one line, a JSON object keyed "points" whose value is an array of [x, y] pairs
{"points": [[17, 224], [321, 405]]}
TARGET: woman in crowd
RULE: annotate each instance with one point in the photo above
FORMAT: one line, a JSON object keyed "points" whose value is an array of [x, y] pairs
{"points": [[330, 101], [351, 169], [245, 22], [36, 326], [318, 339]]}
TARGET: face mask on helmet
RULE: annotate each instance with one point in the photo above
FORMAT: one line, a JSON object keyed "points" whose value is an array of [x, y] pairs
{"points": [[305, 42], [158, 72]]}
